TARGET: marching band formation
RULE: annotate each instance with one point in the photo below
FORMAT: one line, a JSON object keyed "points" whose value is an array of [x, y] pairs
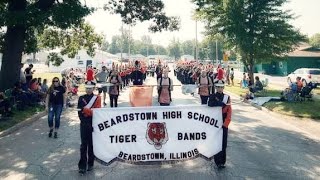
{"points": [[210, 83]]}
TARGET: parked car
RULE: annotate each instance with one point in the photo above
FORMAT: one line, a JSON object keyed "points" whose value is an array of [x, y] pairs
{"points": [[309, 74]]}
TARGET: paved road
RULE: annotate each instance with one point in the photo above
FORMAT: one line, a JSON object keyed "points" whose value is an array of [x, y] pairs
{"points": [[261, 146]]}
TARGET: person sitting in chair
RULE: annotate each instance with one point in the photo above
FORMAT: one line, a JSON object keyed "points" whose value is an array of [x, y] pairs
{"points": [[257, 85], [5, 109]]}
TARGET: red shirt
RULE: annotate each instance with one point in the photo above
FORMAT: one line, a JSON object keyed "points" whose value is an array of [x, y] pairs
{"points": [[90, 74], [220, 74]]}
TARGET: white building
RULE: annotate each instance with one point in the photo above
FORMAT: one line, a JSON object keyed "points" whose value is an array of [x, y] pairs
{"points": [[187, 58], [82, 60]]}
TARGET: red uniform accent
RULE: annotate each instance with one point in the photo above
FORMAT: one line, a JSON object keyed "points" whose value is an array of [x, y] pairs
{"points": [[227, 110], [87, 112]]}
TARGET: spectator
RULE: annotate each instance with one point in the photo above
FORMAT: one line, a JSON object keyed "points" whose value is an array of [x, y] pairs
{"points": [[244, 82], [257, 85], [102, 77], [36, 89], [34, 86], [5, 109], [23, 79], [299, 83], [228, 75], [55, 102], [22, 97], [220, 71], [44, 86], [29, 73], [90, 73], [232, 76], [39, 82]]}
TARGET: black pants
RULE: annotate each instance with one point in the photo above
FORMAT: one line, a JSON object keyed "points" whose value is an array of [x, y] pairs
{"points": [[113, 100], [220, 158], [204, 99], [164, 104], [86, 148]]}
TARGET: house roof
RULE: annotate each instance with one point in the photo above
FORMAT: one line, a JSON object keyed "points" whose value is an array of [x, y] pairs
{"points": [[305, 50]]}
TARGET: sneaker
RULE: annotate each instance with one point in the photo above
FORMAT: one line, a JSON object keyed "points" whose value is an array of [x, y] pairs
{"points": [[82, 171], [90, 168], [221, 166], [50, 133], [55, 135], [105, 104]]}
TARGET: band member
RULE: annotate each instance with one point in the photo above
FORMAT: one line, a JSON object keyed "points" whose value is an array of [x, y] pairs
{"points": [[137, 75], [102, 77], [85, 104], [223, 100], [114, 79], [164, 89], [159, 70], [128, 73], [204, 83], [122, 74]]}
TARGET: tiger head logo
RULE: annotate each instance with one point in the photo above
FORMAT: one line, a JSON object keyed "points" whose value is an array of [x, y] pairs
{"points": [[157, 134]]}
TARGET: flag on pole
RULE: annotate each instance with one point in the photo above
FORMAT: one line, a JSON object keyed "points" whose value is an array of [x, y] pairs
{"points": [[141, 96]]}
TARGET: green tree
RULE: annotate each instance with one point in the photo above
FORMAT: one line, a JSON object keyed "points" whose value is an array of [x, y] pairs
{"points": [[105, 45], [69, 41], [159, 49], [133, 11], [147, 45], [174, 49], [25, 19], [259, 30], [315, 40], [187, 47], [115, 45]]}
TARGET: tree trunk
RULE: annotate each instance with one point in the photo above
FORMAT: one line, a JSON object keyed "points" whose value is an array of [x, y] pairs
{"points": [[12, 54], [13, 48], [251, 70]]}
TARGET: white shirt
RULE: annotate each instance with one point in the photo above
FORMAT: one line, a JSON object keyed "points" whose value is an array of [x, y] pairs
{"points": [[22, 77]]}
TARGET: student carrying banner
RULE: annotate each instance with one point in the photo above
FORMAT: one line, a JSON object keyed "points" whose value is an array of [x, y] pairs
{"points": [[85, 104], [164, 89], [223, 100]]}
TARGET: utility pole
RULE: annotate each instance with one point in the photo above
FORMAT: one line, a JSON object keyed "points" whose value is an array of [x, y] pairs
{"points": [[158, 48], [217, 56], [196, 40], [129, 41], [121, 42]]}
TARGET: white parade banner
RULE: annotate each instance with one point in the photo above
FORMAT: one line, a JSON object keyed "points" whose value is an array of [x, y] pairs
{"points": [[157, 133]]}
